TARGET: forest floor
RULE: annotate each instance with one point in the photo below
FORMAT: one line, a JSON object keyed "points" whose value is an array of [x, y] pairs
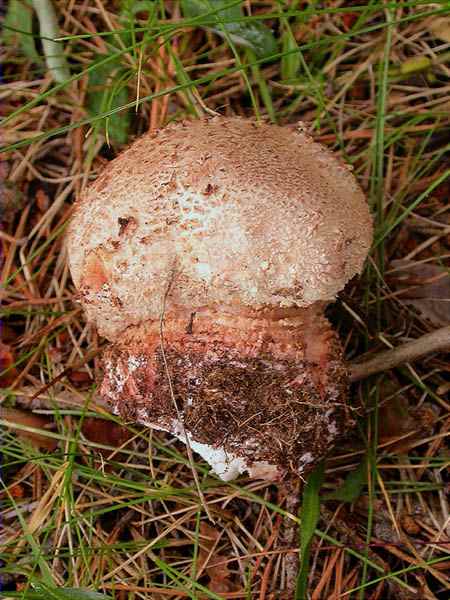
{"points": [[109, 509]]}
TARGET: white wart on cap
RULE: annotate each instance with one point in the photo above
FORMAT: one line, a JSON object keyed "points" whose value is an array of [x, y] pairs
{"points": [[238, 234]]}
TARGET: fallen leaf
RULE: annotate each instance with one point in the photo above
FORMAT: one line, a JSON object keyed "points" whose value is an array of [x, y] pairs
{"points": [[63, 337], [440, 28], [17, 490], [79, 377], [443, 389], [251, 34], [394, 419], [7, 372], [349, 19], [409, 524], [17, 418], [426, 287], [106, 433], [398, 419], [19, 29], [216, 568], [42, 200], [107, 91]]}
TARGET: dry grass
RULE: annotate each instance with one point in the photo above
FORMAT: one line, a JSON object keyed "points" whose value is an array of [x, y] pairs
{"points": [[90, 503]]}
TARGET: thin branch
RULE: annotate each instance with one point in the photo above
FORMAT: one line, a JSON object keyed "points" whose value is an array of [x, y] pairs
{"points": [[49, 31], [431, 342]]}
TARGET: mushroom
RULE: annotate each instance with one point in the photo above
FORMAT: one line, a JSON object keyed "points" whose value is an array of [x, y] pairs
{"points": [[207, 253]]}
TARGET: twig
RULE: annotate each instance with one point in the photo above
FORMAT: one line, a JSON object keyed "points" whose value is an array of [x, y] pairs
{"points": [[49, 31], [409, 352]]}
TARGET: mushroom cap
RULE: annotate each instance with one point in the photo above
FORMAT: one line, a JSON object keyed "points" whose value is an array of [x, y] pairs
{"points": [[217, 212]]}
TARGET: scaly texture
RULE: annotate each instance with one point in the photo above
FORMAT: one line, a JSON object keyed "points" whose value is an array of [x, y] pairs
{"points": [[224, 212]]}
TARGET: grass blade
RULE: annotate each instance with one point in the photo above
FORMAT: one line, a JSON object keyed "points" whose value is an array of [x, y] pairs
{"points": [[310, 513]]}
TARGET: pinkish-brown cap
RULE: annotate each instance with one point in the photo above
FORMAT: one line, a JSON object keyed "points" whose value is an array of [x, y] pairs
{"points": [[219, 212]]}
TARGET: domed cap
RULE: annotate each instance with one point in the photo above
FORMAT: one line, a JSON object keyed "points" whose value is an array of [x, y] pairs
{"points": [[219, 212]]}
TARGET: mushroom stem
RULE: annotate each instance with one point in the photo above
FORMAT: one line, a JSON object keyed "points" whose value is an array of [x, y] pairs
{"points": [[244, 386], [431, 342]]}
